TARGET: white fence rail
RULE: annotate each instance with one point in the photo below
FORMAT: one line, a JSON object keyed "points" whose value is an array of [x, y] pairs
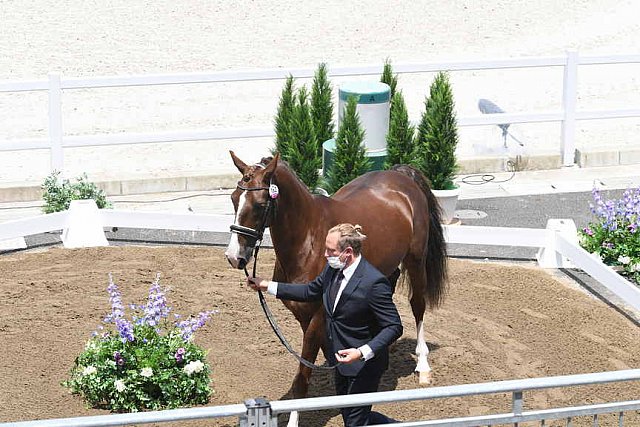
{"points": [[260, 412], [83, 225], [56, 85]]}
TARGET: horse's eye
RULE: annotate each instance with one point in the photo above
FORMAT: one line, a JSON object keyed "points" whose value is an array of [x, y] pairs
{"points": [[246, 178]]}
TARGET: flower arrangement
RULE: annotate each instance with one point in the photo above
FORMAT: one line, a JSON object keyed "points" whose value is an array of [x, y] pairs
{"points": [[615, 234], [144, 363]]}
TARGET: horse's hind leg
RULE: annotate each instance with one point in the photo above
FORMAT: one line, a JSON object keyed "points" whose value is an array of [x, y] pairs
{"points": [[418, 279]]}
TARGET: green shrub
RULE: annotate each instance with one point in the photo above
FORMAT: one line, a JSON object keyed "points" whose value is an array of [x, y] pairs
{"points": [[349, 161], [142, 363], [304, 159], [283, 119], [400, 139], [388, 78], [58, 194], [437, 136], [322, 107], [303, 124]]}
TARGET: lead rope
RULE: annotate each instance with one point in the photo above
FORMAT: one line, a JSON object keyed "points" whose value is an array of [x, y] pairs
{"points": [[272, 320]]}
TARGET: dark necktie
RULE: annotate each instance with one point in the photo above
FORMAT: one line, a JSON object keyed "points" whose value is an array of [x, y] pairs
{"points": [[333, 290]]}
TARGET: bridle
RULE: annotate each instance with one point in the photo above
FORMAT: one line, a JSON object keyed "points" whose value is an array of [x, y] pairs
{"points": [[256, 235]]}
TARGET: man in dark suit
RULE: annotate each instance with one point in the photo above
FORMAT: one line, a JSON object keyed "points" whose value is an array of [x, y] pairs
{"points": [[361, 317]]}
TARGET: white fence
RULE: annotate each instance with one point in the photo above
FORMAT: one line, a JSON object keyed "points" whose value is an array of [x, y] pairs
{"points": [[56, 85], [83, 225], [259, 412]]}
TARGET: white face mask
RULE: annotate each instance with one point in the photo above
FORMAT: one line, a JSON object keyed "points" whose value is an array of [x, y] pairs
{"points": [[334, 262]]}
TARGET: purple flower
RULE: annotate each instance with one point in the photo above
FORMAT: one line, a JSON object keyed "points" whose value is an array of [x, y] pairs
{"points": [[179, 356], [125, 328], [189, 326], [156, 308], [118, 358], [588, 231]]}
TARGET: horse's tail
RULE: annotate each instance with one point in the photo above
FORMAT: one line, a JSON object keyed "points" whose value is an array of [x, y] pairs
{"points": [[436, 249]]}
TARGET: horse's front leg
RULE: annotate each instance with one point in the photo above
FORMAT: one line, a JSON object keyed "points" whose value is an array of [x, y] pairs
{"points": [[313, 337]]}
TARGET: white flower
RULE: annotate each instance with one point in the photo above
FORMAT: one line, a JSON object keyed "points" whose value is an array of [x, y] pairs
{"points": [[89, 370], [91, 345], [119, 385], [146, 372], [195, 366], [624, 260], [636, 267]]}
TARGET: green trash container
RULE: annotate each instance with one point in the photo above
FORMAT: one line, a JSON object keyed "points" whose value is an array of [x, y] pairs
{"points": [[373, 110]]}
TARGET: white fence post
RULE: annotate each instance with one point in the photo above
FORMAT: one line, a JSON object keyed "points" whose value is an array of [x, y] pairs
{"points": [[569, 103], [55, 122], [548, 256], [84, 226]]}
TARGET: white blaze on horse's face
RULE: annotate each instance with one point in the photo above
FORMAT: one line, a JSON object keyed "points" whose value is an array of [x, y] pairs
{"points": [[238, 256]]}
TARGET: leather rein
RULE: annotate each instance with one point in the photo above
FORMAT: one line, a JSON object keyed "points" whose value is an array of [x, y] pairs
{"points": [[256, 234]]}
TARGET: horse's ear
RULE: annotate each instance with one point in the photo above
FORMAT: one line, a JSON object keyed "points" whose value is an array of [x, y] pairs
{"points": [[271, 167], [242, 166]]}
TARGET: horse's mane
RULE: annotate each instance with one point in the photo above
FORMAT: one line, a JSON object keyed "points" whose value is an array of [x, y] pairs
{"points": [[266, 160], [281, 162]]}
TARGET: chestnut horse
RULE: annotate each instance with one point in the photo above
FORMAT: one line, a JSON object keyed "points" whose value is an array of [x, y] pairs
{"points": [[398, 213]]}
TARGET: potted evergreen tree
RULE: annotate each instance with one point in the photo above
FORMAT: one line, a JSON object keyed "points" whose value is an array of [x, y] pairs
{"points": [[302, 124], [350, 160], [322, 106], [400, 138], [436, 143], [303, 148], [283, 119]]}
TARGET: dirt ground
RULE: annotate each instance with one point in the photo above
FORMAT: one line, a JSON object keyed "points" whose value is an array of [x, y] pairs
{"points": [[499, 322]]}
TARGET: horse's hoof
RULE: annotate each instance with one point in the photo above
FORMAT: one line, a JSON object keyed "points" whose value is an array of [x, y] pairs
{"points": [[424, 377]]}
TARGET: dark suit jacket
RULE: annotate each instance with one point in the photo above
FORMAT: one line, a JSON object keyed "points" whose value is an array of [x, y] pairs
{"points": [[365, 314]]}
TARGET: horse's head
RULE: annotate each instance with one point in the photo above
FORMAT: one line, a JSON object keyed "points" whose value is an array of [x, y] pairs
{"points": [[253, 202]]}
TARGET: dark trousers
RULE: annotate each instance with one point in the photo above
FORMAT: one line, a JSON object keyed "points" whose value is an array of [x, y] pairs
{"points": [[366, 382]]}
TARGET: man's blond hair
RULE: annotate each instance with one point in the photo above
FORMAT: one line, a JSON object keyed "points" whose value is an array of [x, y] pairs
{"points": [[349, 235]]}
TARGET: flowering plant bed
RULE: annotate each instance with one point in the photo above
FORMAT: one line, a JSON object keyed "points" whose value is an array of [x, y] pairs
{"points": [[615, 234], [147, 362]]}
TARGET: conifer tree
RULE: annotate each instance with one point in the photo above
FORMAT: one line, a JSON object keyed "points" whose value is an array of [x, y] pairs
{"points": [[400, 139], [322, 106], [389, 78], [349, 160], [304, 159], [437, 135], [283, 119]]}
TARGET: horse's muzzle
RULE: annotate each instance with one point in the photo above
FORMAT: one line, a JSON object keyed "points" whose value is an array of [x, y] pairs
{"points": [[237, 261]]}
